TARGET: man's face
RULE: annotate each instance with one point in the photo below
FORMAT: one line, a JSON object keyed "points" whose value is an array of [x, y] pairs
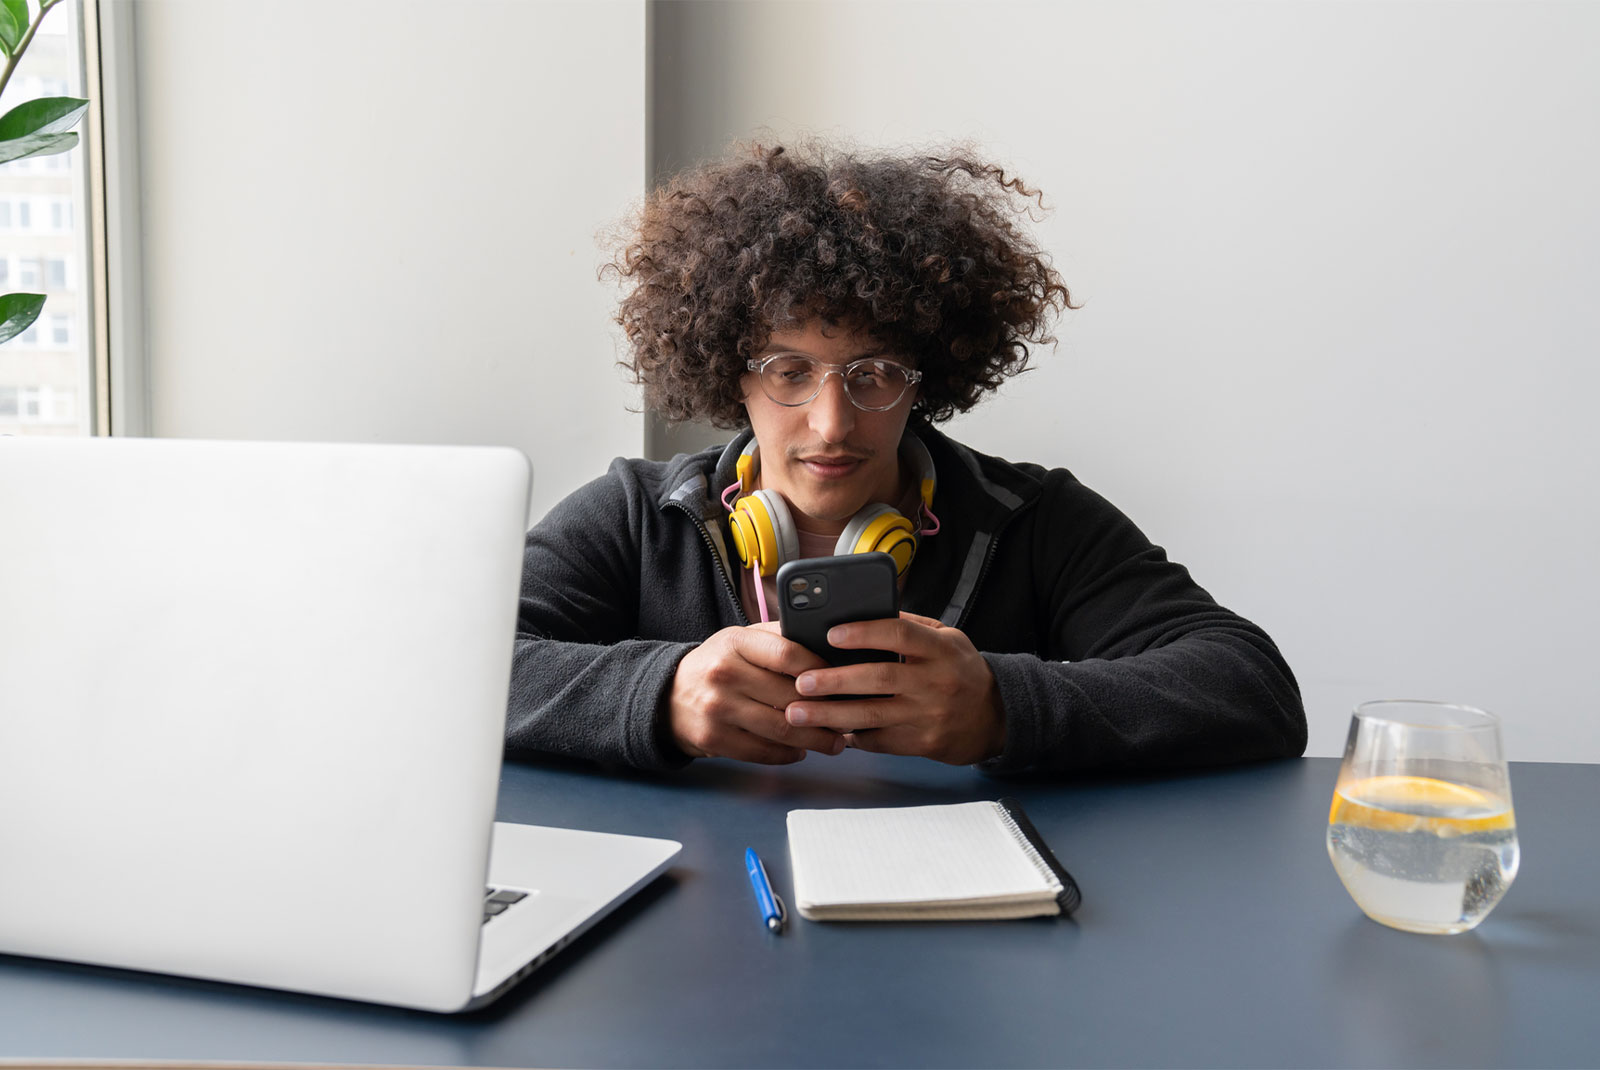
{"points": [[827, 458]]}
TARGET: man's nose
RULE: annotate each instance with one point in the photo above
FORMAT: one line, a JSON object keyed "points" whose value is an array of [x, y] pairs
{"points": [[833, 414]]}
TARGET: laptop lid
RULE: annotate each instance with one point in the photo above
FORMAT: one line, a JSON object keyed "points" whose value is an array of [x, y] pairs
{"points": [[253, 707]]}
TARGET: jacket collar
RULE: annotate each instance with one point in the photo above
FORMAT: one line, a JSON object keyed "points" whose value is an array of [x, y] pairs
{"points": [[977, 496]]}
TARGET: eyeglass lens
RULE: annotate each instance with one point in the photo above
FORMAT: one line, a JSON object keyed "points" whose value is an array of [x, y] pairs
{"points": [[871, 384]]}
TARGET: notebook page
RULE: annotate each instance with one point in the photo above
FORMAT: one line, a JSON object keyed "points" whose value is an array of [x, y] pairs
{"points": [[908, 854]]}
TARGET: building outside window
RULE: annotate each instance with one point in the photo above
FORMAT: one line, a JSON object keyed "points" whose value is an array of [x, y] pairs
{"points": [[38, 406]]}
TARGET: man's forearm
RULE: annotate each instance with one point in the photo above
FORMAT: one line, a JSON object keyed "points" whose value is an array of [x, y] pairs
{"points": [[1206, 699], [598, 702]]}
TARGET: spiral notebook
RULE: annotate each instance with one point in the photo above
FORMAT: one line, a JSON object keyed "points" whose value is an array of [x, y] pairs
{"points": [[978, 860]]}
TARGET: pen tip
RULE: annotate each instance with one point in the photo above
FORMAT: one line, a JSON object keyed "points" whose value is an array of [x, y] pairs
{"points": [[775, 924]]}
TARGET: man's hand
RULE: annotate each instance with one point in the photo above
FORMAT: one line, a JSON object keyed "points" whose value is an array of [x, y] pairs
{"points": [[941, 702], [729, 694]]}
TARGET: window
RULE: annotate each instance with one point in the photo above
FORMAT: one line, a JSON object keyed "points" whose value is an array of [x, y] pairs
{"points": [[49, 370]]}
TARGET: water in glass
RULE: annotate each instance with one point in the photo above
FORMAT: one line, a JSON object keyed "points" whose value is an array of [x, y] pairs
{"points": [[1421, 830]]}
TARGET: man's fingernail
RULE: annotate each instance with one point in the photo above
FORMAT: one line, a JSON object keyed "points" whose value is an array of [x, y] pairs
{"points": [[837, 634], [799, 715], [805, 682]]}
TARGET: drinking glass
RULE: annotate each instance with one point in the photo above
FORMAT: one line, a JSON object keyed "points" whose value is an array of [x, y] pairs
{"points": [[1421, 830]]}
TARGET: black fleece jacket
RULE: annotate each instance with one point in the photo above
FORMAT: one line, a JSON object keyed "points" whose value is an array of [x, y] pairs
{"points": [[1107, 655]]}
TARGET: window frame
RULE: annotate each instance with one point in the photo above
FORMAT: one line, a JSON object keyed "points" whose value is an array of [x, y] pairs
{"points": [[116, 321]]}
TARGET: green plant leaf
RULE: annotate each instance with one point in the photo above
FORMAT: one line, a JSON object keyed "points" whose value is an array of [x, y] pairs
{"points": [[36, 145], [46, 115], [13, 24], [17, 313]]}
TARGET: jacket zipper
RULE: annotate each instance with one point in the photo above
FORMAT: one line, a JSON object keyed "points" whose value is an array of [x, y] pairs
{"points": [[705, 537], [988, 558]]}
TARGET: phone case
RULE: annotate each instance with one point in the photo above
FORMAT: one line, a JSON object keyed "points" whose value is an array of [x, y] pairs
{"points": [[815, 593]]}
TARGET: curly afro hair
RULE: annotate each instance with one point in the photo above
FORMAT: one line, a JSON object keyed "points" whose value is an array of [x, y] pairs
{"points": [[924, 254]]}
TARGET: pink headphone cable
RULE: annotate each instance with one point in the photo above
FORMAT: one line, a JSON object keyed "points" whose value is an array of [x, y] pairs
{"points": [[761, 592]]}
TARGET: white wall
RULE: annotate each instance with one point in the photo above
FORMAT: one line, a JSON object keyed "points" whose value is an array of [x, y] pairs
{"points": [[1338, 264], [376, 220], [1336, 259]]}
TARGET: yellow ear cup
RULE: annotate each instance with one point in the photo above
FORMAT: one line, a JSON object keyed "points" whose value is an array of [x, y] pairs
{"points": [[763, 532], [753, 537], [745, 543], [879, 527], [901, 545]]}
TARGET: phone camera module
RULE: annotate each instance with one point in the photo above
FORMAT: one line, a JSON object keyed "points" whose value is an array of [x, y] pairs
{"points": [[808, 592]]}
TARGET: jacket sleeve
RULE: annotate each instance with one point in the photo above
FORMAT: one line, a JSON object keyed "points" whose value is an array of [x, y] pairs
{"points": [[1139, 667], [582, 685]]}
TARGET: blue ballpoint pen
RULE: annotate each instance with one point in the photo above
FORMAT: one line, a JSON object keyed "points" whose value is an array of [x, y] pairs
{"points": [[767, 900]]}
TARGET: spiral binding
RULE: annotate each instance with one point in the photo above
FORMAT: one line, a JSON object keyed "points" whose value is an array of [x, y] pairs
{"points": [[1040, 855]]}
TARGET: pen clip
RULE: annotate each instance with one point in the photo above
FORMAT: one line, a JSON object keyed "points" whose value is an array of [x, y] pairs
{"points": [[783, 911]]}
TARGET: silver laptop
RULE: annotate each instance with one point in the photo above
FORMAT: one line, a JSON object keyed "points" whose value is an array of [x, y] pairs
{"points": [[252, 704]]}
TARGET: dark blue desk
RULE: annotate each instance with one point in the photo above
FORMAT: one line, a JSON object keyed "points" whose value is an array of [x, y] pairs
{"points": [[1213, 933]]}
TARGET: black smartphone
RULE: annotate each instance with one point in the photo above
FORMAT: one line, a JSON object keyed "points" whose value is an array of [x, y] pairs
{"points": [[815, 593]]}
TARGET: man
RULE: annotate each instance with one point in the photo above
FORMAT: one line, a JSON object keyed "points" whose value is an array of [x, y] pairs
{"points": [[835, 308]]}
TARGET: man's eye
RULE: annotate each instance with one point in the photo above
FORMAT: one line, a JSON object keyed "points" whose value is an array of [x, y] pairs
{"points": [[794, 375]]}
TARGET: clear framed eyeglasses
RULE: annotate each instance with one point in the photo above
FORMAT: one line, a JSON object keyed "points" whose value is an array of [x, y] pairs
{"points": [[872, 383]]}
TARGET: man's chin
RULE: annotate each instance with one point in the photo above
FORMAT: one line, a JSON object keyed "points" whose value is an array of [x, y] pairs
{"points": [[827, 511]]}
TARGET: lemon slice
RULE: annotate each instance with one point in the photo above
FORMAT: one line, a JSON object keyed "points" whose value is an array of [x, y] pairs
{"points": [[1418, 804]]}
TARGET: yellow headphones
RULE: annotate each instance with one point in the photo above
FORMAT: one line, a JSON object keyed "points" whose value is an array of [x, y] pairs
{"points": [[764, 535]]}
